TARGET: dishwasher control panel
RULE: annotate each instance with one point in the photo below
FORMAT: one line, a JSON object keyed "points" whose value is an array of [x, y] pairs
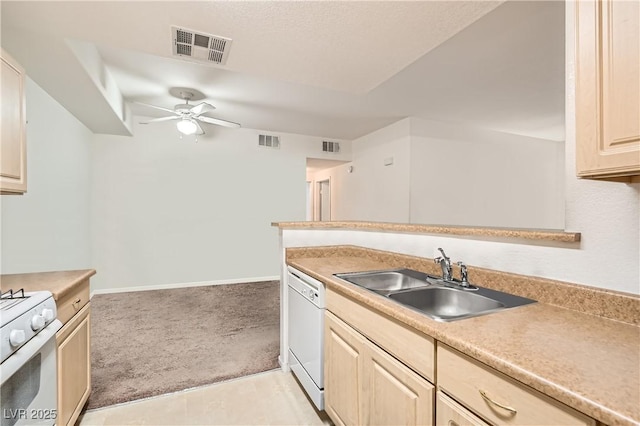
{"points": [[310, 288]]}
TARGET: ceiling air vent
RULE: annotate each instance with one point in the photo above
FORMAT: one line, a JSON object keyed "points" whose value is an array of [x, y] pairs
{"points": [[199, 46], [269, 141], [330, 146]]}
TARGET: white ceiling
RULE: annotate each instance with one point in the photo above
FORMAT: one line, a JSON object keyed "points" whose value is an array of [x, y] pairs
{"points": [[333, 69]]}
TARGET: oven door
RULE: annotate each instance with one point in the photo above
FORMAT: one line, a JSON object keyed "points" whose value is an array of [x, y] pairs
{"points": [[29, 381]]}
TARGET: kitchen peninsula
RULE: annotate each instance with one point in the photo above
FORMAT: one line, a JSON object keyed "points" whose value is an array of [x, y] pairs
{"points": [[558, 346]]}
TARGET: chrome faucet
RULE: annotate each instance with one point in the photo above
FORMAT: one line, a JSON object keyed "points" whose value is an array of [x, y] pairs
{"points": [[445, 264], [464, 275]]}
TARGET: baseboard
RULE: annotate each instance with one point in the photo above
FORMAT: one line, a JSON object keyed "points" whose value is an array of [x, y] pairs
{"points": [[183, 285]]}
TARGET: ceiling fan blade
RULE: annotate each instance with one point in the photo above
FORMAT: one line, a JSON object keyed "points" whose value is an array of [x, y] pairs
{"points": [[200, 131], [156, 107], [157, 120], [201, 108], [217, 121]]}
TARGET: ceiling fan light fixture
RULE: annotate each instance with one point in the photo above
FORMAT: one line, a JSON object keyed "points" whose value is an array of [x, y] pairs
{"points": [[187, 127]]}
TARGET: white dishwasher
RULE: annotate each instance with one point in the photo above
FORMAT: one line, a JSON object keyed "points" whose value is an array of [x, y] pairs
{"points": [[306, 333]]}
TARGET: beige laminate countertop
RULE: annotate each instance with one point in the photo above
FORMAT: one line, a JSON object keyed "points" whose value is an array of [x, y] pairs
{"points": [[587, 362], [414, 228], [59, 282]]}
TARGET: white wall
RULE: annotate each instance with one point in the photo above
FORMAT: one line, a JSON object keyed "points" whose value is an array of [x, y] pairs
{"points": [[168, 211], [378, 192], [373, 191], [48, 227], [449, 174], [478, 177], [606, 213]]}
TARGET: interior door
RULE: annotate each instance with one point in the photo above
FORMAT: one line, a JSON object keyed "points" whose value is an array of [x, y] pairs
{"points": [[309, 202], [324, 199]]}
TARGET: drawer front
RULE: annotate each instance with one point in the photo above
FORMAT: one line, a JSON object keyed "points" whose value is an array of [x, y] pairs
{"points": [[73, 302], [450, 413], [387, 333], [498, 398]]}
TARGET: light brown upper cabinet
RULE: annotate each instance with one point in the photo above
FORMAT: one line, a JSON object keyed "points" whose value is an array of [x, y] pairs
{"points": [[607, 88], [13, 161]]}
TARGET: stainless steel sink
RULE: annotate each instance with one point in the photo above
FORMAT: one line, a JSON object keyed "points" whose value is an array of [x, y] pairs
{"points": [[384, 282], [438, 299], [445, 303]]}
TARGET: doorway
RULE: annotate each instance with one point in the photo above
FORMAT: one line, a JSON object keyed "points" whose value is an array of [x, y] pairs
{"points": [[324, 178]]}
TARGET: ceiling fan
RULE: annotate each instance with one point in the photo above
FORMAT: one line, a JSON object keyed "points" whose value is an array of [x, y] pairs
{"points": [[189, 116]]}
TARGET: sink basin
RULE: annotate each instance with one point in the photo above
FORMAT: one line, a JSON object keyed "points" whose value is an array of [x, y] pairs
{"points": [[384, 282], [438, 299], [444, 303]]}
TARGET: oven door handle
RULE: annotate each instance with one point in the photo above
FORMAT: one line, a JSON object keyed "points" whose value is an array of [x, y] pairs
{"points": [[19, 358]]}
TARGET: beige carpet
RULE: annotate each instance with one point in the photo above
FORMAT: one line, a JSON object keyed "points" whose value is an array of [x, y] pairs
{"points": [[153, 342]]}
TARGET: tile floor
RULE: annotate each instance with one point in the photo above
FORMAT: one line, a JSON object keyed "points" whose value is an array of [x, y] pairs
{"points": [[270, 398]]}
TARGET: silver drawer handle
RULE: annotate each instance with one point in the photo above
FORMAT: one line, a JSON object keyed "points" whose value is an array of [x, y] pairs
{"points": [[484, 395]]}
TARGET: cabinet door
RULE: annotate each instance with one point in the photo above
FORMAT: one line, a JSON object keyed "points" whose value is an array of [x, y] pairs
{"points": [[74, 366], [342, 371], [387, 333], [13, 176], [394, 394], [450, 413], [607, 88]]}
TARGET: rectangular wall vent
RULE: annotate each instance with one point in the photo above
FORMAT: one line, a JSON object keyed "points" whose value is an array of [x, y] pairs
{"points": [[269, 141], [200, 46], [330, 146]]}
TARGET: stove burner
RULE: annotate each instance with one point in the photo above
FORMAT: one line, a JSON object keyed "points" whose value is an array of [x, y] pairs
{"points": [[11, 298], [13, 294]]}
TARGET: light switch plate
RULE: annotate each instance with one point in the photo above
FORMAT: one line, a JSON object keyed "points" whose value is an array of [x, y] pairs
{"points": [[388, 161]]}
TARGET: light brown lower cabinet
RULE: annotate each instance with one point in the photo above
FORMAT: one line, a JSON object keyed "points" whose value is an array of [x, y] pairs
{"points": [[74, 366], [364, 385], [497, 397], [343, 366], [377, 371]]}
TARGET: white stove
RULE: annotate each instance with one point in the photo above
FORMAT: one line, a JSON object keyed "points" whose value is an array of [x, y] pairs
{"points": [[6, 303], [28, 326], [23, 315]]}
